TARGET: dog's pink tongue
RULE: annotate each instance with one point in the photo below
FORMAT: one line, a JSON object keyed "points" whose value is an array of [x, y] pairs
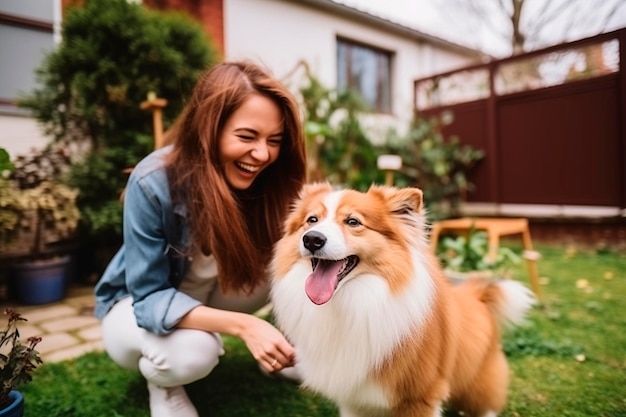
{"points": [[321, 284]]}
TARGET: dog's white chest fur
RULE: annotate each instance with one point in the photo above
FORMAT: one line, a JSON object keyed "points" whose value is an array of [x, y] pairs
{"points": [[338, 344]]}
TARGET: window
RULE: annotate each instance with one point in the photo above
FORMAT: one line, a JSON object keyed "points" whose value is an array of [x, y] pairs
{"points": [[26, 35], [367, 71]]}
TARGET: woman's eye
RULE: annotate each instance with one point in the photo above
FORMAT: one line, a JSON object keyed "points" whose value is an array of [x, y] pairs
{"points": [[245, 137], [311, 219], [275, 142], [351, 221]]}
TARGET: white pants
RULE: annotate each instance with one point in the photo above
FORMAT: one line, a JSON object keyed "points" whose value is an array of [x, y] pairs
{"points": [[185, 355], [178, 358]]}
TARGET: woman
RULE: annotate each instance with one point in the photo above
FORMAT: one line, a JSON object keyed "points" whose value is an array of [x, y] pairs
{"points": [[200, 220]]}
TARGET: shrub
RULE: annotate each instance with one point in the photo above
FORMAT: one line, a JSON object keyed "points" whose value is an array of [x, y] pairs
{"points": [[114, 53], [338, 147], [37, 207], [437, 164]]}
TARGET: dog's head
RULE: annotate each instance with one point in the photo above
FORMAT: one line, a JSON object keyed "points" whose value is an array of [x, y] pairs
{"points": [[345, 233]]}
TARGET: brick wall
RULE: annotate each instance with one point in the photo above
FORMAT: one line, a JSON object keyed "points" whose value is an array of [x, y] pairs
{"points": [[210, 14]]}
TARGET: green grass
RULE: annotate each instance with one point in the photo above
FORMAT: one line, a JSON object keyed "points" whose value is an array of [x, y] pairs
{"points": [[570, 361]]}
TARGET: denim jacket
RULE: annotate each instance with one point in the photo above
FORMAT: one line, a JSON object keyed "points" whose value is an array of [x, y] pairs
{"points": [[153, 258]]}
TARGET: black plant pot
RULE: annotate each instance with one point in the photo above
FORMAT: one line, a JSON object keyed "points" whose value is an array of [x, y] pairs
{"points": [[40, 282]]}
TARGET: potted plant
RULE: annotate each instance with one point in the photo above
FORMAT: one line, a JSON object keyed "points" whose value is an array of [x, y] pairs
{"points": [[37, 213], [18, 361], [463, 257]]}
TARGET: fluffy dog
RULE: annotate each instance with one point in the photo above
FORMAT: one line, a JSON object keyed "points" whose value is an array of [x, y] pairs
{"points": [[377, 327]]}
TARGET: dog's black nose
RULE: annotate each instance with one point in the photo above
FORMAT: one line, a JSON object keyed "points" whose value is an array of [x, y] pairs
{"points": [[313, 240]]}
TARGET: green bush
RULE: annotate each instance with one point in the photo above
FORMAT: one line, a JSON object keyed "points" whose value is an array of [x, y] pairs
{"points": [[114, 53], [471, 253], [338, 147]]}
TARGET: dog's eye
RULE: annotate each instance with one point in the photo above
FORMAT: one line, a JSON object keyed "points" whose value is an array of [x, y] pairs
{"points": [[311, 219], [351, 221]]}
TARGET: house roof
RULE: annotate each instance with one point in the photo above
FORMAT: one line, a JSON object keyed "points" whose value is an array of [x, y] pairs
{"points": [[370, 19]]}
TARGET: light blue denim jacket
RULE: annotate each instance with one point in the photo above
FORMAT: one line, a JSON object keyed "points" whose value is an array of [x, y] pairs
{"points": [[153, 259]]}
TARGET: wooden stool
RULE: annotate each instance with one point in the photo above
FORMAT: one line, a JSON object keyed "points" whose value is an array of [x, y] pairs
{"points": [[495, 227]]}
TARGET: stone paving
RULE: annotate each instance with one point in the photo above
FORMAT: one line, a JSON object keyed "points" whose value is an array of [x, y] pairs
{"points": [[68, 328]]}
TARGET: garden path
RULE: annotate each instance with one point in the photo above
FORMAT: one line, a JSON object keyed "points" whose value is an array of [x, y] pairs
{"points": [[68, 328]]}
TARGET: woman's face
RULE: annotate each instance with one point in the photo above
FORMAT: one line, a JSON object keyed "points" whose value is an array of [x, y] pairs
{"points": [[250, 140]]}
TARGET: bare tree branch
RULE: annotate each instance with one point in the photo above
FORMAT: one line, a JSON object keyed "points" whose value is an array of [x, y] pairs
{"points": [[529, 24]]}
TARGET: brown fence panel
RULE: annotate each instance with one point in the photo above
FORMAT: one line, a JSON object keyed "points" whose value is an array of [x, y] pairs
{"points": [[561, 145], [470, 125]]}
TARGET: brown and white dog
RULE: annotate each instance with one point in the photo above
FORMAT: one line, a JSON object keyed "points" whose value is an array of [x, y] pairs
{"points": [[376, 326]]}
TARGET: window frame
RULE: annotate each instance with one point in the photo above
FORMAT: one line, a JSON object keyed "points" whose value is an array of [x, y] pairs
{"points": [[383, 100], [41, 41]]}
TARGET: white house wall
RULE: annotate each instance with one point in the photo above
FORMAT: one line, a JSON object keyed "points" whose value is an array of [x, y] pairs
{"points": [[281, 33]]}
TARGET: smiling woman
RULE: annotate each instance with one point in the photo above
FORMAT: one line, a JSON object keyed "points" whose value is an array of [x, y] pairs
{"points": [[200, 219]]}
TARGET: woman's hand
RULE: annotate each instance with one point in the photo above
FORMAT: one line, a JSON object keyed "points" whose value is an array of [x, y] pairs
{"points": [[267, 345]]}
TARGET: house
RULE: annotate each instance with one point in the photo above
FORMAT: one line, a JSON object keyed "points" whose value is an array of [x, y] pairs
{"points": [[342, 46]]}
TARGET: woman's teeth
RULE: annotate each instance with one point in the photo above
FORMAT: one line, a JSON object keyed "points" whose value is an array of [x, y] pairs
{"points": [[249, 168]]}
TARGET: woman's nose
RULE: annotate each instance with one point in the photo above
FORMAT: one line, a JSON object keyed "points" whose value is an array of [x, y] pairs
{"points": [[260, 151]]}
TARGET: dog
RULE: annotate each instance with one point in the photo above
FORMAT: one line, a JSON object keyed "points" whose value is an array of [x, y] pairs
{"points": [[376, 326]]}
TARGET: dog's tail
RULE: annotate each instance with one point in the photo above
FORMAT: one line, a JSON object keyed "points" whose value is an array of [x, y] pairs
{"points": [[509, 300]]}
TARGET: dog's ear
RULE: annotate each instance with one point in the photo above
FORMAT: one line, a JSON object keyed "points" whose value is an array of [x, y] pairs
{"points": [[401, 200], [406, 200]]}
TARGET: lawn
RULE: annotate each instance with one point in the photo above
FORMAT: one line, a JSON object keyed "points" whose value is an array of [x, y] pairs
{"points": [[569, 361]]}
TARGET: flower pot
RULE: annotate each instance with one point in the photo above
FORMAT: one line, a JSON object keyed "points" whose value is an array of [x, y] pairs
{"points": [[40, 282], [16, 408]]}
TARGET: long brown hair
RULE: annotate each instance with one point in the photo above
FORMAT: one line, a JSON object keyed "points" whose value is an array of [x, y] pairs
{"points": [[238, 227]]}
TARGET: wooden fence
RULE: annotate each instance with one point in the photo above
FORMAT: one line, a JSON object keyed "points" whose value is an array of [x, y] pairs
{"points": [[551, 122]]}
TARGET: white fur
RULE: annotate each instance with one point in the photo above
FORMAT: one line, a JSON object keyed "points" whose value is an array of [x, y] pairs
{"points": [[518, 300]]}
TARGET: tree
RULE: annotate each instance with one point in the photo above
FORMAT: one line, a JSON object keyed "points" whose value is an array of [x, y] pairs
{"points": [[526, 25], [113, 53]]}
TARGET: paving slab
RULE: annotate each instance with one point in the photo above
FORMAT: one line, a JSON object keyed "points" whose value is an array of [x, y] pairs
{"points": [[36, 315], [28, 330], [56, 341], [68, 324], [74, 351], [91, 333]]}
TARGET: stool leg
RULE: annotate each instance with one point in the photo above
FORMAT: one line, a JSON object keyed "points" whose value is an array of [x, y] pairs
{"points": [[531, 262], [494, 243], [434, 237]]}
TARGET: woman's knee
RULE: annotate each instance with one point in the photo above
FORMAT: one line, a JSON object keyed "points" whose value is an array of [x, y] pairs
{"points": [[181, 357], [121, 335]]}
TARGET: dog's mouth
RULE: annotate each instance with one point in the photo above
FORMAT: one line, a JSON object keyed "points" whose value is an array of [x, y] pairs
{"points": [[327, 274]]}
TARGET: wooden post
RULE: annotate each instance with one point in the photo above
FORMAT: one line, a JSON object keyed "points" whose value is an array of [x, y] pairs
{"points": [[155, 105]]}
